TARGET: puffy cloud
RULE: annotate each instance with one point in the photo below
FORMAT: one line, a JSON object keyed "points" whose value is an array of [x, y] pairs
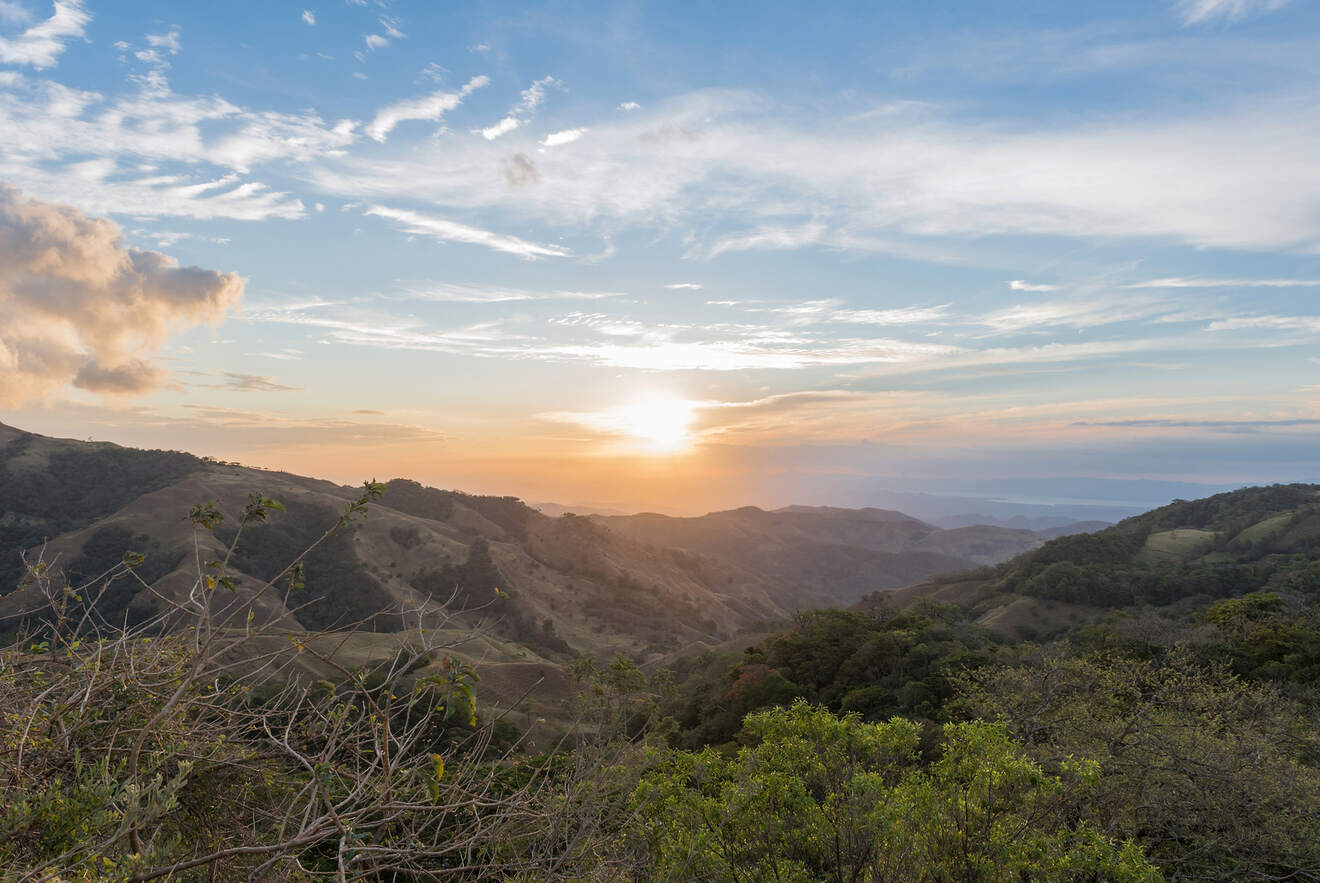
{"points": [[567, 136], [309, 17], [168, 41], [428, 107], [77, 306], [129, 378], [503, 127], [41, 44]]}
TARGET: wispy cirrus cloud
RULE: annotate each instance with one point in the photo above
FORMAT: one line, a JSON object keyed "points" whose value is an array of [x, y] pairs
{"points": [[1075, 313], [152, 152], [238, 382], [1211, 282], [755, 182], [443, 230], [897, 316], [1023, 285], [431, 107], [1282, 323], [531, 99], [1195, 12], [42, 44], [1245, 425], [487, 294]]}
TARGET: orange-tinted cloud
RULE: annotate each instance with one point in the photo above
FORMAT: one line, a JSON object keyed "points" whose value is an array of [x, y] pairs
{"points": [[78, 306]]}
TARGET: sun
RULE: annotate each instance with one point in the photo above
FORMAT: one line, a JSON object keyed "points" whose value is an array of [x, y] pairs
{"points": [[665, 425]]}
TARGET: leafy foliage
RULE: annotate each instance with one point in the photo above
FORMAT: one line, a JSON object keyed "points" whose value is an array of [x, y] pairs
{"points": [[875, 665], [818, 797], [1219, 779]]}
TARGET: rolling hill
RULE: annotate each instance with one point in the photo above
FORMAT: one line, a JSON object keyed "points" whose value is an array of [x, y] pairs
{"points": [[1183, 555], [645, 585]]}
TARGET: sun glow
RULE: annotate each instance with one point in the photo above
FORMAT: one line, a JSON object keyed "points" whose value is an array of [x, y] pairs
{"points": [[665, 425]]}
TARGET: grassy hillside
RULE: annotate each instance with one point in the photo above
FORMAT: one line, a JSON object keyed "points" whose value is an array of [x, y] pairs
{"points": [[1186, 554], [816, 555], [1236, 575], [647, 586], [424, 741]]}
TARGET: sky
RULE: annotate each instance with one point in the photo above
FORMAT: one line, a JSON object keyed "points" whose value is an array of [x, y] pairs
{"points": [[677, 256]]}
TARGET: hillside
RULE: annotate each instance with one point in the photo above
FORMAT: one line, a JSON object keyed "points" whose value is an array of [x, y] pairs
{"points": [[1185, 554], [816, 556], [644, 585]]}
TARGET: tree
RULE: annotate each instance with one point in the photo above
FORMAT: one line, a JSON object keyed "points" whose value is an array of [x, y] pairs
{"points": [[820, 797], [1219, 779], [195, 745]]}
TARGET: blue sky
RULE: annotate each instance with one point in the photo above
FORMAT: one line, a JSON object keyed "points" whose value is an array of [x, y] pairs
{"points": [[679, 255]]}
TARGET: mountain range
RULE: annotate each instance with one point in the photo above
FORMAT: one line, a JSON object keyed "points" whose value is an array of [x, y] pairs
{"points": [[643, 584]]}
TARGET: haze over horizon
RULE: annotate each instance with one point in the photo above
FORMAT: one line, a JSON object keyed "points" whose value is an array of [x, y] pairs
{"points": [[668, 255]]}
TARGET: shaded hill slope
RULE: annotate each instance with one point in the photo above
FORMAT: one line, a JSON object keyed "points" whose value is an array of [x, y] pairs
{"points": [[644, 585], [823, 556], [1186, 553]]}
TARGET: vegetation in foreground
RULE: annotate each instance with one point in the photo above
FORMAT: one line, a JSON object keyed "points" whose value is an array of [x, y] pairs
{"points": [[1179, 743]]}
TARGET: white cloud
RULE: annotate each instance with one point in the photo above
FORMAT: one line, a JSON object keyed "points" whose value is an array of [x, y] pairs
{"points": [[1240, 178], [42, 44], [735, 355], [309, 17], [1195, 12], [13, 13], [1023, 285], [449, 231], [168, 41], [567, 136], [899, 316], [1194, 282], [1084, 313], [1280, 323], [77, 306], [688, 286], [150, 152], [770, 238], [479, 294], [503, 127], [630, 105], [534, 95], [530, 100], [375, 41], [431, 107]]}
